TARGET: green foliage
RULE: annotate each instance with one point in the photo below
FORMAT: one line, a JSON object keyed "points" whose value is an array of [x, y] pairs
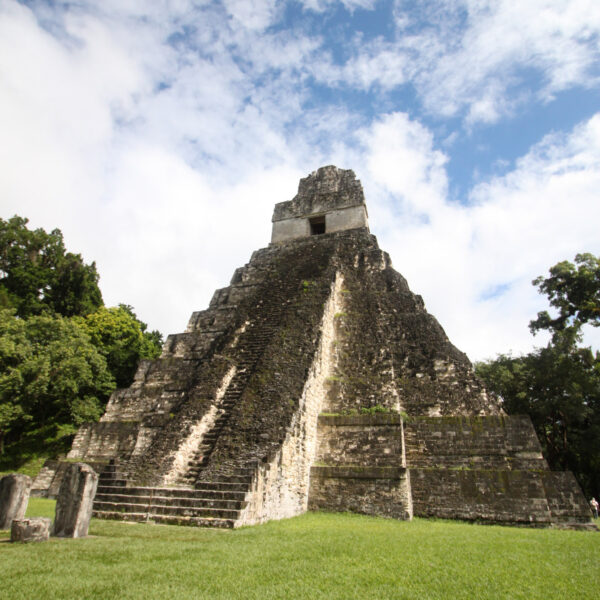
{"points": [[61, 350], [122, 339], [28, 454], [37, 274], [559, 385], [318, 556], [49, 372], [574, 291]]}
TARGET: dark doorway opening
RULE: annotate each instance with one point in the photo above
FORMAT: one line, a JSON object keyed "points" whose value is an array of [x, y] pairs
{"points": [[317, 225]]}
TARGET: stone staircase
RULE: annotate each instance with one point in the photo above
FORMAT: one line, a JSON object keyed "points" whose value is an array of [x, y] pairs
{"points": [[251, 352], [250, 348], [216, 503], [193, 500]]}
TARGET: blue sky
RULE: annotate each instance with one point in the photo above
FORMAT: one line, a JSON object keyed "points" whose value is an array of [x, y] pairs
{"points": [[158, 135]]}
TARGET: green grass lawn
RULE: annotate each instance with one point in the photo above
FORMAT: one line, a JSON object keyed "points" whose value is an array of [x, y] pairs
{"points": [[314, 556]]}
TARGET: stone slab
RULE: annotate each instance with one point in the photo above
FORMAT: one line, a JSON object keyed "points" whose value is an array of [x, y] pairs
{"points": [[14, 496], [75, 501]]}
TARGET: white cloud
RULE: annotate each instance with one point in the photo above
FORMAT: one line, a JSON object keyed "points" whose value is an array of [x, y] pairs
{"points": [[474, 263], [478, 59], [169, 191], [159, 136], [376, 63], [401, 157], [256, 15], [350, 5], [481, 65]]}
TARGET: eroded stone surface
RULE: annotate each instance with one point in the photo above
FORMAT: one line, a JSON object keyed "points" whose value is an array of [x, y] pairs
{"points": [[14, 496], [329, 198], [75, 501], [35, 529]]}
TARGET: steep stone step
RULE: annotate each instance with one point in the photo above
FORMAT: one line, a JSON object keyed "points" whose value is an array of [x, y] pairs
{"points": [[166, 509], [221, 485], [112, 482], [191, 493], [251, 347], [165, 519], [195, 521], [219, 503]]}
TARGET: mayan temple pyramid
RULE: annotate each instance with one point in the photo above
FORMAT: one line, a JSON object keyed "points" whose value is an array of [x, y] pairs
{"points": [[317, 380]]}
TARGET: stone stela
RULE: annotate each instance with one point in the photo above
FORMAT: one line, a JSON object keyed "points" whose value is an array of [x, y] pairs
{"points": [[316, 380]]}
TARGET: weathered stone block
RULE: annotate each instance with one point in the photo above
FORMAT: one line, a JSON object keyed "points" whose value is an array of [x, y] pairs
{"points": [[36, 529], [475, 442], [382, 491], [75, 501], [366, 440], [14, 496]]}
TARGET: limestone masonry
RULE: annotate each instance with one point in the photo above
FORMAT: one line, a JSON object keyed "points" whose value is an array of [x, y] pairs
{"points": [[316, 380]]}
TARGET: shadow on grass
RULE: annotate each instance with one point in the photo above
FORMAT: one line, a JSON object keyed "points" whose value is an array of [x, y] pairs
{"points": [[29, 454]]}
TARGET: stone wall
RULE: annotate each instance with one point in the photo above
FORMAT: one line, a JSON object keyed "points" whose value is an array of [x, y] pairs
{"points": [[488, 469], [353, 217], [360, 466], [493, 496], [567, 504], [490, 442], [104, 440], [381, 491], [361, 440], [323, 191], [405, 362]]}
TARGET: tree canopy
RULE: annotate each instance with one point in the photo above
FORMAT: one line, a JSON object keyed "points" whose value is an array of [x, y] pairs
{"points": [[49, 371], [62, 352], [122, 339], [37, 274], [559, 385], [573, 290]]}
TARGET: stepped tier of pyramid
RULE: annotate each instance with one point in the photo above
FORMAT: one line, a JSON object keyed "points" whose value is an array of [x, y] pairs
{"points": [[317, 380]]}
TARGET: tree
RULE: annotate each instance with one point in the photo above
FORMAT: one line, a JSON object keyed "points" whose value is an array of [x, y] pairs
{"points": [[122, 339], [574, 291], [37, 274], [50, 373], [61, 350], [560, 391], [559, 386]]}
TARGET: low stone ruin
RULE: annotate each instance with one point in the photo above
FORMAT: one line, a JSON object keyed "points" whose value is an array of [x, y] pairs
{"points": [[35, 529], [318, 380], [73, 506]]}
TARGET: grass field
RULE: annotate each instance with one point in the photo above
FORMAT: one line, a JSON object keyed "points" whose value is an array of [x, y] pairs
{"points": [[314, 556]]}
